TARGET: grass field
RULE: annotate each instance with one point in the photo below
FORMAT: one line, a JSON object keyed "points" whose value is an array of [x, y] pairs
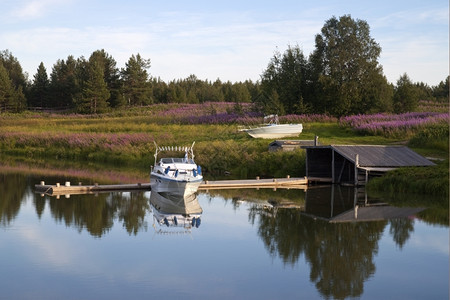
{"points": [[125, 139]]}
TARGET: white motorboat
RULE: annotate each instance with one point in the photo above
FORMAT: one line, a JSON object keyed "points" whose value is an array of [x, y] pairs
{"points": [[176, 175], [271, 129]]}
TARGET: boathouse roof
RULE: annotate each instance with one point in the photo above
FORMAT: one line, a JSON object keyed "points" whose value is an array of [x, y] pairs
{"points": [[382, 156]]}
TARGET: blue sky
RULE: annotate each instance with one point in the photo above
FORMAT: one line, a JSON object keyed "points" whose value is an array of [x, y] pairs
{"points": [[230, 40]]}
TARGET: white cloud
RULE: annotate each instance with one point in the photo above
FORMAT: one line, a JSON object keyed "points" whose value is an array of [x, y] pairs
{"points": [[47, 249], [228, 45], [230, 52], [35, 8]]}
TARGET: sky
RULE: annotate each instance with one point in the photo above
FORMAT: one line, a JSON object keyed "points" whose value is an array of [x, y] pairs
{"points": [[231, 40]]}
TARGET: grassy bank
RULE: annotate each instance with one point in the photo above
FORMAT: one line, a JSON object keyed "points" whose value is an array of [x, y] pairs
{"points": [[126, 139], [415, 180]]}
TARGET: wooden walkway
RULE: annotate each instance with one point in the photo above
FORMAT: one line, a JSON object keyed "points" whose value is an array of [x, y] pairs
{"points": [[87, 189], [67, 188], [256, 183]]}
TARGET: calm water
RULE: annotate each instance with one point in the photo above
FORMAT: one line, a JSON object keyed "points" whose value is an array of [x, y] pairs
{"points": [[249, 245]]}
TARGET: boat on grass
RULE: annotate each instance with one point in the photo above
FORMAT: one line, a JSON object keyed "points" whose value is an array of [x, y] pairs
{"points": [[175, 175], [272, 129]]}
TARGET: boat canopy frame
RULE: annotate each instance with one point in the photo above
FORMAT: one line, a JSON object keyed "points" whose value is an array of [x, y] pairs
{"points": [[189, 151]]}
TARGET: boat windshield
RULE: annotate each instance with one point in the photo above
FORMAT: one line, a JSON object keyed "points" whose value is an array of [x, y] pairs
{"points": [[176, 160]]}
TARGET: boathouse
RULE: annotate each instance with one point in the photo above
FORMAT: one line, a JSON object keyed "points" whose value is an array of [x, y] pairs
{"points": [[354, 164]]}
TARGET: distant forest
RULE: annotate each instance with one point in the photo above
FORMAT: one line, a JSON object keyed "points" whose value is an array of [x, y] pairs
{"points": [[341, 76]]}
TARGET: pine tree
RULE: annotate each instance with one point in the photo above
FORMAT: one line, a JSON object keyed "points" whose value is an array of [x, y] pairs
{"points": [[63, 83], [111, 76], [39, 92], [406, 96], [95, 92], [16, 100], [137, 89], [6, 89], [285, 75]]}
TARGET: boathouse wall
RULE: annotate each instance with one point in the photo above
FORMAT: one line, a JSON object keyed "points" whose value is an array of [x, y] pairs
{"points": [[355, 164]]}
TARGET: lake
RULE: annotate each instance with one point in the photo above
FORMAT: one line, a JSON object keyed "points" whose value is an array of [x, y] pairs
{"points": [[250, 244]]}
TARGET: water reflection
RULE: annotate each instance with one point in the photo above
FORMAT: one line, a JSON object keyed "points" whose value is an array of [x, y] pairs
{"points": [[337, 243], [97, 214], [341, 256], [12, 191], [173, 213], [317, 225], [337, 203]]}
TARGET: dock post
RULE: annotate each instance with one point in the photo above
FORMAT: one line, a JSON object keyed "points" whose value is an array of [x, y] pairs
{"points": [[356, 168], [332, 167], [316, 140], [42, 182]]}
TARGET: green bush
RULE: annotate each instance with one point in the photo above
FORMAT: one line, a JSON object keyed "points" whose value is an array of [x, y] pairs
{"points": [[433, 136], [433, 180]]}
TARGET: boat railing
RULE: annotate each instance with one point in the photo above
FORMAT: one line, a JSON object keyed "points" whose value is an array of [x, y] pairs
{"points": [[189, 151]]}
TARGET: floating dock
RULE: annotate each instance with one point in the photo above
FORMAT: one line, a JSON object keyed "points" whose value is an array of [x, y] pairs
{"points": [[68, 189]]}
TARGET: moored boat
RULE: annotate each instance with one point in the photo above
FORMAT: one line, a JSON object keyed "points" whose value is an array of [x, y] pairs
{"points": [[176, 175]]}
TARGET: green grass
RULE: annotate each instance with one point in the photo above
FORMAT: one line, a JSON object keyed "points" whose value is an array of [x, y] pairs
{"points": [[126, 140], [432, 180]]}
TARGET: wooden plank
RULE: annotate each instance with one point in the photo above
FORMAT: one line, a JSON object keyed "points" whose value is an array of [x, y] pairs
{"points": [[86, 189], [274, 182]]}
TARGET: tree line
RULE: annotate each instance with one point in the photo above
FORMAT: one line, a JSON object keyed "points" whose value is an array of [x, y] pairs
{"points": [[341, 76]]}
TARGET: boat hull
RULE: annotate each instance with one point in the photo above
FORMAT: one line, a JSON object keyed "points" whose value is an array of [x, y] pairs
{"points": [[275, 131], [170, 186]]}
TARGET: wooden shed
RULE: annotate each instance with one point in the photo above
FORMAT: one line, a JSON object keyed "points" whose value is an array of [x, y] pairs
{"points": [[354, 164]]}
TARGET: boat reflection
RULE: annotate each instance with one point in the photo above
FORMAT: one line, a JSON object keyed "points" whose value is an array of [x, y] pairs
{"points": [[173, 213]]}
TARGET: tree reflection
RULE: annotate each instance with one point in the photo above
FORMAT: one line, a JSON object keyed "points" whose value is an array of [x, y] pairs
{"points": [[340, 255], [95, 214], [132, 211], [12, 191], [401, 230]]}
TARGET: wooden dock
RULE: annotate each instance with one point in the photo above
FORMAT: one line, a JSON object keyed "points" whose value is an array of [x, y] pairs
{"points": [[68, 189], [256, 183]]}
